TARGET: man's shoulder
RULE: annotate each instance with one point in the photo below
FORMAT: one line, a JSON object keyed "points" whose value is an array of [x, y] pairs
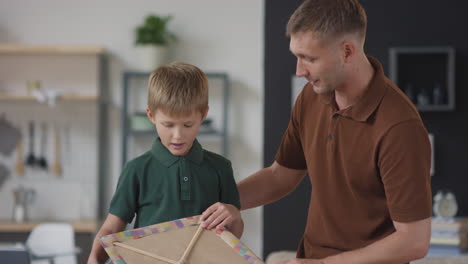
{"points": [[395, 107]]}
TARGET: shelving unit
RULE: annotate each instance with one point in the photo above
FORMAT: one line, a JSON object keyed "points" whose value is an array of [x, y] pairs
{"points": [[66, 97], [426, 75], [99, 97], [20, 49], [128, 132]]}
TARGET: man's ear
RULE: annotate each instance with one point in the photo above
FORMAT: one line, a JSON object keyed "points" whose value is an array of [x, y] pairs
{"points": [[150, 116], [348, 50]]}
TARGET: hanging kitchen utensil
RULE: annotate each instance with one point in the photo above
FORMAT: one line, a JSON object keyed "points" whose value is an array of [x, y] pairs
{"points": [[31, 159], [41, 160], [66, 158], [9, 136], [56, 166], [19, 161]]}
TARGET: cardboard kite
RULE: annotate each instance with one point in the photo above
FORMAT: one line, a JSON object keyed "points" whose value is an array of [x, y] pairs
{"points": [[181, 241]]}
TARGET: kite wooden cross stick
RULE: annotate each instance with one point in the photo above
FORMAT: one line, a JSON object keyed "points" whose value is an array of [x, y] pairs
{"points": [[181, 241]]}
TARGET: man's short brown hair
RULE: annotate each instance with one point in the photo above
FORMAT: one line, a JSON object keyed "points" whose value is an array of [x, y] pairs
{"points": [[328, 18], [178, 88]]}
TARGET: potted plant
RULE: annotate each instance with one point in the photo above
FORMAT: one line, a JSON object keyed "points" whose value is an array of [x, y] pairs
{"points": [[152, 40]]}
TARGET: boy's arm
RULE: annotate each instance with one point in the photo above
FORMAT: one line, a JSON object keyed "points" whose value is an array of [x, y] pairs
{"points": [[225, 212], [112, 224], [220, 215]]}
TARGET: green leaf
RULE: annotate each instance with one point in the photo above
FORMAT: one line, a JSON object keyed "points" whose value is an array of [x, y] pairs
{"points": [[154, 31]]}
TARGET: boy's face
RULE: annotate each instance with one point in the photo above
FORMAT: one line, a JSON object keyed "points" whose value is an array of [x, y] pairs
{"points": [[177, 133]]}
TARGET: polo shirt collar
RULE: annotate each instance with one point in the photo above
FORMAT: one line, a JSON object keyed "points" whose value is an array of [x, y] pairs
{"points": [[363, 109], [162, 154]]}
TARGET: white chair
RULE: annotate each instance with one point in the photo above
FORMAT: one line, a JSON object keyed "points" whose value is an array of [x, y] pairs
{"points": [[52, 243]]}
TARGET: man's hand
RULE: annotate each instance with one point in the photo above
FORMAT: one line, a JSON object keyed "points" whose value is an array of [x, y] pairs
{"points": [[220, 215]]}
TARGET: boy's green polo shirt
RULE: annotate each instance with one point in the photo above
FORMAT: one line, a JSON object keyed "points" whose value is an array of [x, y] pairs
{"points": [[158, 186]]}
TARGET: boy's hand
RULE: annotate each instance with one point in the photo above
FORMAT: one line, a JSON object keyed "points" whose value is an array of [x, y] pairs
{"points": [[220, 215]]}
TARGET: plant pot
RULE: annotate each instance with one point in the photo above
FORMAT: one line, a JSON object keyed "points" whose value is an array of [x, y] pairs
{"points": [[149, 57]]}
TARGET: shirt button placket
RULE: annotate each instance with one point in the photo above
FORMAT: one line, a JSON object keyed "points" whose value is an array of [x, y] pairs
{"points": [[332, 128], [184, 180]]}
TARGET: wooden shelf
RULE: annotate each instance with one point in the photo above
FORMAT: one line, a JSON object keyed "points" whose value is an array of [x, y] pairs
{"points": [[66, 97], [85, 226], [20, 49]]}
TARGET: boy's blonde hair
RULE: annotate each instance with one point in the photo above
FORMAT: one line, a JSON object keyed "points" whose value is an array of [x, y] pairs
{"points": [[328, 18], [177, 89]]}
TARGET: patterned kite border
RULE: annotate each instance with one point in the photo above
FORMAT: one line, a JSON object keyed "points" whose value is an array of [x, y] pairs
{"points": [[108, 240]]}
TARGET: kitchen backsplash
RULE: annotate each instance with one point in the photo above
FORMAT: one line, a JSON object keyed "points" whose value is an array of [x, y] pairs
{"points": [[70, 195]]}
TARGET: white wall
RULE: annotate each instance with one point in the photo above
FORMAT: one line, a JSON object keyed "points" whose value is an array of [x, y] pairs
{"points": [[216, 35]]}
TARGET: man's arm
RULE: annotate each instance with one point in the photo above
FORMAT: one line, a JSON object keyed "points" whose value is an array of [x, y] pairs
{"points": [[264, 186], [409, 242], [268, 185]]}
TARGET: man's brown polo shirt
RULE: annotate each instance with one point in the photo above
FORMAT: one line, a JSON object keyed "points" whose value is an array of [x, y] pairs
{"points": [[368, 164]]}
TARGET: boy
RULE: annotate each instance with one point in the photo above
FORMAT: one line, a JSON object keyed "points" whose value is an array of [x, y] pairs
{"points": [[176, 178]]}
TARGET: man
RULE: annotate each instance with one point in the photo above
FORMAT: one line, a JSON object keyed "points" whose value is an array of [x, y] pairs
{"points": [[361, 141]]}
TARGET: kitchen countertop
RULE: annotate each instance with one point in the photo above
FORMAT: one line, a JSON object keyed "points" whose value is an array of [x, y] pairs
{"points": [[83, 226]]}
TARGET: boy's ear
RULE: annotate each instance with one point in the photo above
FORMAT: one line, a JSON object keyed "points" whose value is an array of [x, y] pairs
{"points": [[150, 115], [206, 113]]}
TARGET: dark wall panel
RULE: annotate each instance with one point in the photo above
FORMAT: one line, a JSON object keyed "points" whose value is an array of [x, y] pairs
{"points": [[284, 221], [391, 23], [431, 23]]}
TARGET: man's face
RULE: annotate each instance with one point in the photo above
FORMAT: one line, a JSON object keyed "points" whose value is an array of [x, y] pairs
{"points": [[318, 61], [177, 133]]}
